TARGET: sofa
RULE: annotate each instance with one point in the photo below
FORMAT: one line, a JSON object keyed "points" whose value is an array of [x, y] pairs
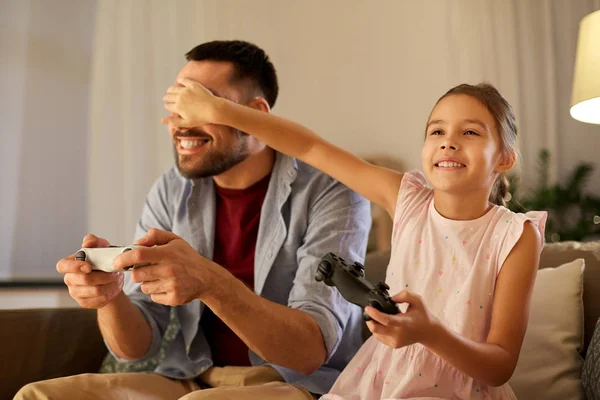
{"points": [[48, 343]]}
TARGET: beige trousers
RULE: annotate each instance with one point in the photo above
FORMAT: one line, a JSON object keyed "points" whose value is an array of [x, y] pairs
{"points": [[227, 383]]}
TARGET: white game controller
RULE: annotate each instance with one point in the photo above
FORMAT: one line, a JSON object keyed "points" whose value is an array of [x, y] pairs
{"points": [[101, 258]]}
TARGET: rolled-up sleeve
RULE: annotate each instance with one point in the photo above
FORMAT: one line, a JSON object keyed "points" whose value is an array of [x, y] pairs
{"points": [[339, 221]]}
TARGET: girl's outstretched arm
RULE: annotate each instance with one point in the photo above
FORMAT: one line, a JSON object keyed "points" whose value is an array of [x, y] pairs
{"points": [[194, 105]]}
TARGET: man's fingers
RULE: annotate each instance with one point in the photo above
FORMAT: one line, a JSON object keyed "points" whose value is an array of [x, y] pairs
{"points": [[163, 298], [139, 255], [90, 240], [90, 292], [149, 253], [151, 287], [70, 265], [92, 279], [157, 237], [151, 273]]}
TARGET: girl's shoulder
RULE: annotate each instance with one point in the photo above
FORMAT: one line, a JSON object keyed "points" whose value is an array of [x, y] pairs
{"points": [[516, 220], [414, 192], [414, 184], [513, 223], [413, 180]]}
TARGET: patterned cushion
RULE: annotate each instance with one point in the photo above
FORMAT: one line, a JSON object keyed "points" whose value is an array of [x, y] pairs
{"points": [[591, 367], [111, 365]]}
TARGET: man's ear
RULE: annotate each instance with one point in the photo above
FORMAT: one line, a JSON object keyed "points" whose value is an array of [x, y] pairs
{"points": [[507, 161], [260, 104]]}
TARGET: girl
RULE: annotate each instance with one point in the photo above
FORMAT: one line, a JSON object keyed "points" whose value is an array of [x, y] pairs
{"points": [[463, 262]]}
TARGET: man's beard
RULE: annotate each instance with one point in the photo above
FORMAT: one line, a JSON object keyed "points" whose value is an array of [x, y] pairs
{"points": [[213, 162]]}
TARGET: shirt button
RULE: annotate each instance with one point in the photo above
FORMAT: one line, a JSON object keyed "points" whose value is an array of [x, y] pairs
{"points": [[270, 254]]}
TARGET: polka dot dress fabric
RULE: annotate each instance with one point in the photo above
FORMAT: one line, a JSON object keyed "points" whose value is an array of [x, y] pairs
{"points": [[453, 265]]}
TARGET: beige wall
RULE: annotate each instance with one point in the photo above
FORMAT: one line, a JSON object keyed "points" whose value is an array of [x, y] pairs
{"points": [[364, 74]]}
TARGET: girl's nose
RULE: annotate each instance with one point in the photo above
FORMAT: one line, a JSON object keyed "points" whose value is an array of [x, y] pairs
{"points": [[447, 146]]}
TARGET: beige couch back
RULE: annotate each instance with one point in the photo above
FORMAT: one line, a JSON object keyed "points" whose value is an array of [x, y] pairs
{"points": [[553, 255]]}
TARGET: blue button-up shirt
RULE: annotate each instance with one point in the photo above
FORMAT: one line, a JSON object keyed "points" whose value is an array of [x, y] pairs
{"points": [[305, 214]]}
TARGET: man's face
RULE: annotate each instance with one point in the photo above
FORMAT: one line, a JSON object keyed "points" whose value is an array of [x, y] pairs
{"points": [[211, 149]]}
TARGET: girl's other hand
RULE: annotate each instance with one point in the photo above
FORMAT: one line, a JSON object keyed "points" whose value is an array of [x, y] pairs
{"points": [[416, 325], [190, 103]]}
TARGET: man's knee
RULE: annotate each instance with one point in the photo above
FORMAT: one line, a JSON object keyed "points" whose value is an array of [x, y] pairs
{"points": [[267, 391], [222, 393], [34, 391], [59, 388]]}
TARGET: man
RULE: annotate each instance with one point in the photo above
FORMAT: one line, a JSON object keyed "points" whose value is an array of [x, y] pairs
{"points": [[234, 233]]}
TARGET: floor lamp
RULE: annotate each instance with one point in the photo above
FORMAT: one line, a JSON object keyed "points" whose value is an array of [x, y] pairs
{"points": [[585, 100]]}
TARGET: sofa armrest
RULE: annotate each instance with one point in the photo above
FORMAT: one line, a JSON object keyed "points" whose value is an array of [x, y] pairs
{"points": [[591, 367], [47, 343]]}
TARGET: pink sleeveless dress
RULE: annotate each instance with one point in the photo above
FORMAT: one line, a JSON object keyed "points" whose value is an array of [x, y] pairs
{"points": [[453, 265]]}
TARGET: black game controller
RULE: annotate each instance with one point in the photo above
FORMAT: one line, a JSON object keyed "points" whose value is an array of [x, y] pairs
{"points": [[350, 281]]}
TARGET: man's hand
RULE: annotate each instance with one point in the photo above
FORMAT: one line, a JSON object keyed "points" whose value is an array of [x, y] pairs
{"points": [[91, 289], [403, 329], [177, 274], [190, 103]]}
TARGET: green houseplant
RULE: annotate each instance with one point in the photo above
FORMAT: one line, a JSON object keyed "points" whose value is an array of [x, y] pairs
{"points": [[572, 214]]}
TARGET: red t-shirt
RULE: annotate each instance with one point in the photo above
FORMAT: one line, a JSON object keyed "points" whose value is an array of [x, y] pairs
{"points": [[236, 230]]}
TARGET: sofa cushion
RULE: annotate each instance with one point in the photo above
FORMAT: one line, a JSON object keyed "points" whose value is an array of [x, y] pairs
{"points": [[550, 365], [46, 344], [555, 254]]}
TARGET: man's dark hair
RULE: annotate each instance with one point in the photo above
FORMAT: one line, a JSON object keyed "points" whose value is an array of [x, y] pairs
{"points": [[250, 61]]}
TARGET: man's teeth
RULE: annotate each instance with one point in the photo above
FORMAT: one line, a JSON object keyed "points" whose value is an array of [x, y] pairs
{"points": [[189, 144], [449, 164]]}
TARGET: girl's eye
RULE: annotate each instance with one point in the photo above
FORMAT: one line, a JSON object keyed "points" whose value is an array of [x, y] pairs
{"points": [[471, 133], [438, 132]]}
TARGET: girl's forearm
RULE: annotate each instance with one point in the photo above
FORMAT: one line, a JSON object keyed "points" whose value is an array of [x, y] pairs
{"points": [[487, 362], [278, 133], [377, 184]]}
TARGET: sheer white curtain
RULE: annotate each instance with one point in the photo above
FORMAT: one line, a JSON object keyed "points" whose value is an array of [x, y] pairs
{"points": [[527, 49], [138, 51], [45, 52], [363, 74]]}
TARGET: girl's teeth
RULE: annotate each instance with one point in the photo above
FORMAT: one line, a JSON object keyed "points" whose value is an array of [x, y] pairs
{"points": [[447, 164]]}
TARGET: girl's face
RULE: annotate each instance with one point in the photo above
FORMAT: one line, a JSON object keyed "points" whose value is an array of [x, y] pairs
{"points": [[462, 153]]}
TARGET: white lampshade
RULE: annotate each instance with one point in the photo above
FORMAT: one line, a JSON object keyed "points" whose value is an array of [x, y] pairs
{"points": [[585, 102]]}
